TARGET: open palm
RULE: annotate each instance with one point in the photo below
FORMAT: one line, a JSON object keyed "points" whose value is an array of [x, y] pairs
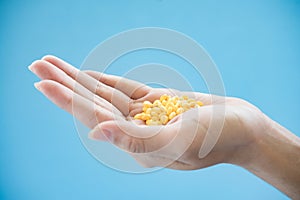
{"points": [[106, 104]]}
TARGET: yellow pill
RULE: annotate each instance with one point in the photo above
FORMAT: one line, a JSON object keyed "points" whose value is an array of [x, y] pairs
{"points": [[156, 109], [185, 97], [179, 111], [175, 107], [185, 105], [153, 114], [163, 109], [161, 114], [155, 118], [154, 123], [178, 104], [170, 109], [146, 116], [156, 103], [192, 104], [164, 102], [164, 97], [170, 104], [138, 116], [148, 111], [199, 103], [147, 104], [172, 115], [164, 119], [174, 99], [171, 100]]}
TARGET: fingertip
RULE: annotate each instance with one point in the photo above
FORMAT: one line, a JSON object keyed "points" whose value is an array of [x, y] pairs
{"points": [[39, 67], [32, 67], [130, 129], [99, 133], [46, 86], [97, 136], [48, 57], [42, 84], [113, 129], [37, 85]]}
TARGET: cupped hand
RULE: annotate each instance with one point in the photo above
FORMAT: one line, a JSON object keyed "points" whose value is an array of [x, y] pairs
{"points": [[107, 103]]}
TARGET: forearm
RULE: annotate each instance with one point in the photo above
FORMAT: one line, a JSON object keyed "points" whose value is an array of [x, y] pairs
{"points": [[275, 157]]}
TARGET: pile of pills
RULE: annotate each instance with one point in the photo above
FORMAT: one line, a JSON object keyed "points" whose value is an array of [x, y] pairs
{"points": [[161, 111]]}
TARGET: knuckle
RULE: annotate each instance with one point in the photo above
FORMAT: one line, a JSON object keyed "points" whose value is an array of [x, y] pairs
{"points": [[96, 116], [68, 102], [100, 90]]}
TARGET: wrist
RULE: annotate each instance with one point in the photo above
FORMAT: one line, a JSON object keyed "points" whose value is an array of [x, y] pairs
{"points": [[255, 127], [274, 156]]}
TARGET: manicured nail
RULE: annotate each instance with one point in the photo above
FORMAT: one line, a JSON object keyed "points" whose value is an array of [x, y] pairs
{"points": [[30, 68], [97, 134], [37, 86]]}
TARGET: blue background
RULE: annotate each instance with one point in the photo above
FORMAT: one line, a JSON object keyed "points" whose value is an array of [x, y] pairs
{"points": [[255, 44]]}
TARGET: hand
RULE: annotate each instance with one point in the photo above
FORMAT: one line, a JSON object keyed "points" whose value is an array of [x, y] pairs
{"points": [[107, 104], [237, 132]]}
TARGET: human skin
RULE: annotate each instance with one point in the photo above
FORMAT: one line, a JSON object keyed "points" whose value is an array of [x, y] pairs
{"points": [[106, 104]]}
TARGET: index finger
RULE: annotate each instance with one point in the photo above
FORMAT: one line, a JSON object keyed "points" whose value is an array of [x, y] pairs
{"points": [[83, 109], [116, 97], [131, 88]]}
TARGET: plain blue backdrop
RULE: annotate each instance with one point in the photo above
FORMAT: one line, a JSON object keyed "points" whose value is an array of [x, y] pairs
{"points": [[255, 44]]}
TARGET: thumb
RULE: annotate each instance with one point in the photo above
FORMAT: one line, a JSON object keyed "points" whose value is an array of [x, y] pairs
{"points": [[133, 138]]}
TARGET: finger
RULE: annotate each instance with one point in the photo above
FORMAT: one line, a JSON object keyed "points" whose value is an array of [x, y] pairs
{"points": [[47, 71], [134, 138], [138, 90], [83, 109], [131, 88], [64, 66], [117, 98], [169, 144]]}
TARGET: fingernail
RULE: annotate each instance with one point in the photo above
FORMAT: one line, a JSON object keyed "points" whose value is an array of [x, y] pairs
{"points": [[37, 86], [97, 136], [104, 135], [30, 68]]}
